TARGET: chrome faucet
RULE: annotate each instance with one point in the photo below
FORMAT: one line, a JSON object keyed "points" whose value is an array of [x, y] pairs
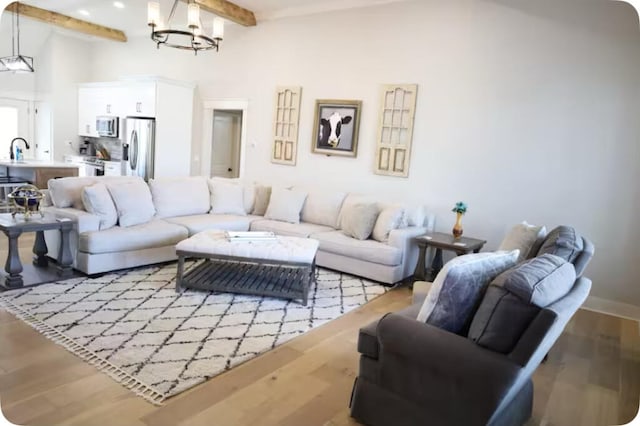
{"points": [[11, 154]]}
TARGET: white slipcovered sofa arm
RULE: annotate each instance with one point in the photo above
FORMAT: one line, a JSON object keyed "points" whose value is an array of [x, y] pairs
{"points": [[86, 221], [403, 239]]}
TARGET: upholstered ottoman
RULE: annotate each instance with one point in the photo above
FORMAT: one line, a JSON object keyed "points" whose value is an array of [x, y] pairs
{"points": [[281, 267]]}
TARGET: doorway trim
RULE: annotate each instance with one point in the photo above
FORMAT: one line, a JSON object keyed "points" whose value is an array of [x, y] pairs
{"points": [[209, 107]]}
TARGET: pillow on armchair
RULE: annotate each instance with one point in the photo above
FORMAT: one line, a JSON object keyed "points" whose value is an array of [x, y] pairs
{"points": [[515, 297], [459, 287], [562, 241]]}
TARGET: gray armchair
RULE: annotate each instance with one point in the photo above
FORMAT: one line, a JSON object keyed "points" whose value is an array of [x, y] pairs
{"points": [[412, 373]]}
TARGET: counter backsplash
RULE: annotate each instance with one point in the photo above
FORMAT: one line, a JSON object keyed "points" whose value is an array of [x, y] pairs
{"points": [[112, 145]]}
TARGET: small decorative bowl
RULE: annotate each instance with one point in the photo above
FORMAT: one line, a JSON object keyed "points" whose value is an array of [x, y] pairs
{"points": [[26, 200]]}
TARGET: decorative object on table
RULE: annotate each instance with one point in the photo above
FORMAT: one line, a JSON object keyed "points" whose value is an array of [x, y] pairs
{"points": [[190, 38], [16, 62], [240, 236], [26, 200], [395, 129], [285, 125], [216, 337], [335, 129], [459, 209]]}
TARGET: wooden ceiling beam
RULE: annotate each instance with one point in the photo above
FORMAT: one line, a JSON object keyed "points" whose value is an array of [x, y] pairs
{"points": [[226, 9], [67, 22]]}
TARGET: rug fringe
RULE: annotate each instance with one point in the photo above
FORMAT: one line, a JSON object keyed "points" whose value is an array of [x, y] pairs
{"points": [[116, 373]]}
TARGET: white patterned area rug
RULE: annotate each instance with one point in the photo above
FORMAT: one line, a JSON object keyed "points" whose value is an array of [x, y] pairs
{"points": [[133, 326]]}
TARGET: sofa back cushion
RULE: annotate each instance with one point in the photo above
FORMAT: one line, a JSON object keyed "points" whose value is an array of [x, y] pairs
{"points": [[459, 287], [515, 297], [323, 207], [564, 242], [67, 192], [133, 202], [97, 201], [182, 196]]}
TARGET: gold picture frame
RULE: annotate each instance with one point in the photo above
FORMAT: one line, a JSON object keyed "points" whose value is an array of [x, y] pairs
{"points": [[335, 128]]}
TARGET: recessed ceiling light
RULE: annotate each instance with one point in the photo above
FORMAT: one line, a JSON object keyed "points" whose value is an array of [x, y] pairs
{"points": [[83, 12], [118, 4]]}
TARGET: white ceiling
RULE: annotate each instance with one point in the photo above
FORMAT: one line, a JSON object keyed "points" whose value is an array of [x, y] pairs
{"points": [[132, 18]]}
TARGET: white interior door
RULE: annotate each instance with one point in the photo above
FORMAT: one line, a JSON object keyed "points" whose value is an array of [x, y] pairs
{"points": [[43, 131], [225, 143], [14, 119]]}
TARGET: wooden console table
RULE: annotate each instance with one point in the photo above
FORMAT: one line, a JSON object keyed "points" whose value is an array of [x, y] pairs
{"points": [[14, 227], [441, 241]]}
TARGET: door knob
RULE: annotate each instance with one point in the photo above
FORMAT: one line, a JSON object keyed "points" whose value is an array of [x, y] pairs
{"points": [[229, 169]]}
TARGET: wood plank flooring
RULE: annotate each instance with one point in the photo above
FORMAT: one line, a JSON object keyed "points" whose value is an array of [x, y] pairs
{"points": [[592, 377]]}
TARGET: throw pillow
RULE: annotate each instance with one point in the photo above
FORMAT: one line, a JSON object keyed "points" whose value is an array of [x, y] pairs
{"points": [[263, 195], [459, 287], [97, 201], [524, 237], [133, 202], [390, 218], [515, 297], [227, 198], [359, 219], [67, 192], [248, 191], [285, 205], [563, 241], [350, 201]]}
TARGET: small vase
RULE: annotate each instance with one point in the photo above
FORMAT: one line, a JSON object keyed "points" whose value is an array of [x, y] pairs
{"points": [[457, 228]]}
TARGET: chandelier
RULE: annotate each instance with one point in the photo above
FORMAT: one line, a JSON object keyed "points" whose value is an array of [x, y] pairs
{"points": [[190, 38], [16, 63]]}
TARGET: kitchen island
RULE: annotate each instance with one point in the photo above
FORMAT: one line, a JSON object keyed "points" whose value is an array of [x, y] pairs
{"points": [[36, 172]]}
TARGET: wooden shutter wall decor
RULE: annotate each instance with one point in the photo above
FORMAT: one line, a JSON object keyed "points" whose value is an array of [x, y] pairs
{"points": [[285, 125], [395, 129]]}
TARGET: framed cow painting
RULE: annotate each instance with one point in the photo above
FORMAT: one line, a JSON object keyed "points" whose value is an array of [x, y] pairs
{"points": [[335, 129]]}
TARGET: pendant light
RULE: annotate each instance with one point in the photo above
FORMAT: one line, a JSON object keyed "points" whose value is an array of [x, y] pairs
{"points": [[16, 63]]}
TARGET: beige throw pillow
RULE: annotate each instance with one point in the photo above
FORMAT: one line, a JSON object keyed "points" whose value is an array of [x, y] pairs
{"points": [[263, 195], [358, 220], [285, 205], [227, 198], [524, 237], [133, 202], [390, 218], [97, 201]]}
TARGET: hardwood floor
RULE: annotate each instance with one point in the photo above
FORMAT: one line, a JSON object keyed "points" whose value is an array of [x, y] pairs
{"points": [[592, 377]]}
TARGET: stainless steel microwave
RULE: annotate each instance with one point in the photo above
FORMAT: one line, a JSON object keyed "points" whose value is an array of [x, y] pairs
{"points": [[107, 126]]}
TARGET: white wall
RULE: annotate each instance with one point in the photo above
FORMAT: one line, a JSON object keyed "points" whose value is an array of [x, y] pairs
{"points": [[525, 110]]}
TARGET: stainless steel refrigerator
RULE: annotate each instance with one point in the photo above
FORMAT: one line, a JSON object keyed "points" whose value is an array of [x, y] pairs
{"points": [[139, 147]]}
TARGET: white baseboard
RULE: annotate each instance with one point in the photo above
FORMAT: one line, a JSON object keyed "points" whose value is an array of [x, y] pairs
{"points": [[611, 307]]}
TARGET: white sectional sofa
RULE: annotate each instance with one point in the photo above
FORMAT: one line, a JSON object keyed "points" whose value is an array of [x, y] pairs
{"points": [[182, 208]]}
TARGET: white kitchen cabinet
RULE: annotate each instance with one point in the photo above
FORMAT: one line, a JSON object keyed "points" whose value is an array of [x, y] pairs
{"points": [[112, 168], [140, 99], [94, 100]]}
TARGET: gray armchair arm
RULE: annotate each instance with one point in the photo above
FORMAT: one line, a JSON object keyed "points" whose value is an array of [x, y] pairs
{"points": [[449, 376]]}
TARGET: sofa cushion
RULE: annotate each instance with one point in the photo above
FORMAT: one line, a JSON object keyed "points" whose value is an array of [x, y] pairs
{"points": [[97, 200], [248, 189], [285, 205], [524, 237], [286, 229], [359, 219], [562, 241], [156, 233], [227, 198], [323, 207], [263, 195], [368, 250], [459, 288], [205, 222], [133, 202], [67, 192], [180, 196], [390, 218], [515, 297]]}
